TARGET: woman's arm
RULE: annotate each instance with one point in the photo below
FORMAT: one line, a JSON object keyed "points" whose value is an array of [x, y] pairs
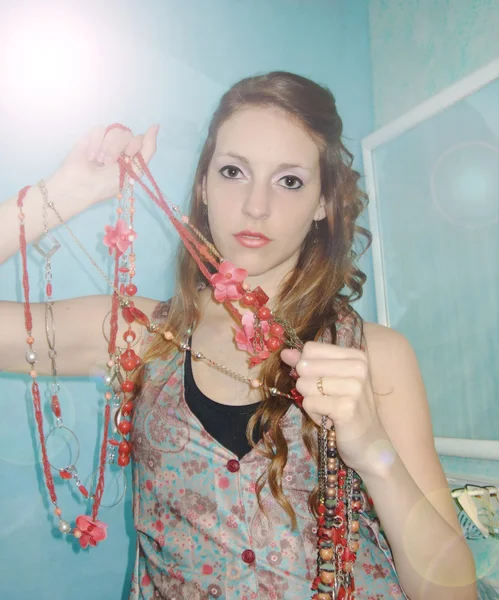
{"points": [[411, 495], [80, 343], [88, 175]]}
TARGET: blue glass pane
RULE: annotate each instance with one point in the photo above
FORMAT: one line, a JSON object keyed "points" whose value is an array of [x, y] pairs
{"points": [[438, 195]]}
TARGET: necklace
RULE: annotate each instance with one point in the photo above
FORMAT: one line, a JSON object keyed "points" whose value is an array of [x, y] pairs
{"points": [[262, 332]]}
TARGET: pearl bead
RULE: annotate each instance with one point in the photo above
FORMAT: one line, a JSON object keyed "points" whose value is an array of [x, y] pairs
{"points": [[31, 357], [326, 553], [255, 383], [110, 363], [108, 380], [327, 577], [273, 391], [198, 355], [354, 526], [168, 335], [77, 534], [64, 526], [33, 374], [58, 511]]}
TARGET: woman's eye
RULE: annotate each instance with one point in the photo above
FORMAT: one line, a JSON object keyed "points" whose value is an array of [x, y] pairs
{"points": [[291, 182], [230, 172]]}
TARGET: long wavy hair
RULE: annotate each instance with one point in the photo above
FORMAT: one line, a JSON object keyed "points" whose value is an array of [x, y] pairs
{"points": [[326, 278]]}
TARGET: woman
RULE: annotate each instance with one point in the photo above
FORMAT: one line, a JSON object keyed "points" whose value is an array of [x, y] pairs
{"points": [[220, 513]]}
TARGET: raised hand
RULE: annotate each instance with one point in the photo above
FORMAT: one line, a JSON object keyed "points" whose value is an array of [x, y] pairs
{"points": [[335, 382], [91, 168]]}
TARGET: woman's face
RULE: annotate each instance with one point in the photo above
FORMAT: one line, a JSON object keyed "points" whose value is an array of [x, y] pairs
{"points": [[262, 190]]}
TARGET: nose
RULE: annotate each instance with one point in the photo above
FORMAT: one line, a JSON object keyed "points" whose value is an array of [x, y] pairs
{"points": [[256, 204]]}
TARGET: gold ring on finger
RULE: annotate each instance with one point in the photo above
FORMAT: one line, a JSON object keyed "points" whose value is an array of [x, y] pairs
{"points": [[320, 386]]}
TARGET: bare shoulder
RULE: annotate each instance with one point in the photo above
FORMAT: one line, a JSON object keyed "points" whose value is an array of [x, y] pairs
{"points": [[377, 335], [390, 353]]}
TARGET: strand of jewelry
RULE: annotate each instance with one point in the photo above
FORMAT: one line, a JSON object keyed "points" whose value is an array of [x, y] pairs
{"points": [[229, 283], [120, 239], [68, 471], [88, 529]]}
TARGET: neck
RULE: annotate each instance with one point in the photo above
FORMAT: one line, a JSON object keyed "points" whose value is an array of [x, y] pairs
{"points": [[269, 282]]}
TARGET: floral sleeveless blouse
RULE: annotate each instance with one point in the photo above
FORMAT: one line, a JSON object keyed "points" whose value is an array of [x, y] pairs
{"points": [[200, 532]]}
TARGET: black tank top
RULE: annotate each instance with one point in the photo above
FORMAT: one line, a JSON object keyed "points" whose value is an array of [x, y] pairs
{"points": [[226, 424]]}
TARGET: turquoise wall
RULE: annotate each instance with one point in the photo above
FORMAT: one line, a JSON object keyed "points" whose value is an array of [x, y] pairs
{"points": [[420, 47], [154, 61]]}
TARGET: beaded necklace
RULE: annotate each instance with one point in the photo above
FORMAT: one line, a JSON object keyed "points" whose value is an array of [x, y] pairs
{"points": [[262, 332]]}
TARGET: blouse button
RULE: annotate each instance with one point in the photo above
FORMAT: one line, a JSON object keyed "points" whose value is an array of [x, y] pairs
{"points": [[248, 556], [233, 465]]}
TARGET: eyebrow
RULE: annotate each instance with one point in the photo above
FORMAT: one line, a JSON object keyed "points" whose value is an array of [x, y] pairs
{"points": [[281, 166]]}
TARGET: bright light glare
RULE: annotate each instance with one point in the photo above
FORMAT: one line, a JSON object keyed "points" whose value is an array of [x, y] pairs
{"points": [[46, 62]]}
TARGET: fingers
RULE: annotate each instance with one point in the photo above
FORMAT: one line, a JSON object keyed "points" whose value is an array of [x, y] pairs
{"points": [[332, 387], [333, 368], [150, 143], [105, 147], [134, 146], [290, 357], [320, 350], [113, 145]]}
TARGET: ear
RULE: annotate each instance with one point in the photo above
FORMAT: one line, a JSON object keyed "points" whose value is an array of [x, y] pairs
{"points": [[320, 213], [204, 197]]}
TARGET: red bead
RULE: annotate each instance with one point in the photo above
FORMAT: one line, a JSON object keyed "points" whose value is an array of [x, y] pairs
{"points": [[55, 406], [113, 442], [65, 474], [248, 299], [139, 316], [248, 556], [129, 334], [264, 313], [83, 490], [128, 386], [233, 465], [48, 289], [273, 344], [321, 509], [131, 289], [261, 297], [348, 556], [123, 460], [124, 426], [127, 408], [297, 397], [124, 447], [127, 315], [129, 360], [277, 329], [342, 473], [321, 520]]}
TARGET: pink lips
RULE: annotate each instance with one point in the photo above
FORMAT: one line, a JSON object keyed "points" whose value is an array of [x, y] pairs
{"points": [[250, 239]]}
